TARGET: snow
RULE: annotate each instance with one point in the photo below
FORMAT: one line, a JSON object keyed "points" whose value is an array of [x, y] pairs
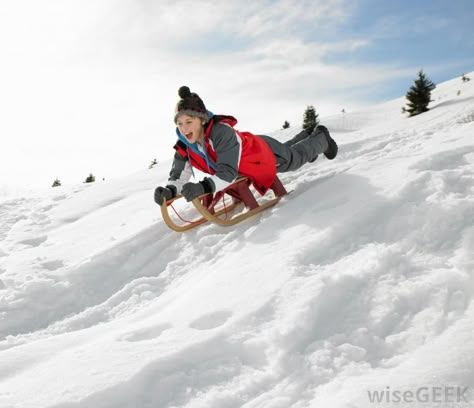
{"points": [[360, 280]]}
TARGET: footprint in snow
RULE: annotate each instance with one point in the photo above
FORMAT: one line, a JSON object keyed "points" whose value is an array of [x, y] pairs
{"points": [[60, 197], [148, 333], [53, 265], [46, 208], [211, 320], [34, 242]]}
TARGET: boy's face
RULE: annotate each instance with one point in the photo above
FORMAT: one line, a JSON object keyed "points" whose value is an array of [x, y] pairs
{"points": [[191, 127]]}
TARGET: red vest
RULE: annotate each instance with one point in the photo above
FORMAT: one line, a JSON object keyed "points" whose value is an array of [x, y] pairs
{"points": [[257, 161]]}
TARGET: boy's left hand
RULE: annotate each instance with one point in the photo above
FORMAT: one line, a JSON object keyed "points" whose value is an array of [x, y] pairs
{"points": [[190, 191]]}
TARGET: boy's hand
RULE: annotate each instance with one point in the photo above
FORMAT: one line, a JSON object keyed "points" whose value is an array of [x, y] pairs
{"points": [[190, 191], [164, 193]]}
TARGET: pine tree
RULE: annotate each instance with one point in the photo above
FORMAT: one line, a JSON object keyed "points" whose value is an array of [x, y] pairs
{"points": [[286, 124], [419, 95], [56, 183], [465, 78], [90, 179], [310, 119]]}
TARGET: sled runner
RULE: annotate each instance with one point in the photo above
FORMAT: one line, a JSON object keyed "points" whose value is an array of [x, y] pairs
{"points": [[211, 209]]}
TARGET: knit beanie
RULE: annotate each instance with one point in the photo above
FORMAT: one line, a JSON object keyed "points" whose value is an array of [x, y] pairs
{"points": [[190, 104]]}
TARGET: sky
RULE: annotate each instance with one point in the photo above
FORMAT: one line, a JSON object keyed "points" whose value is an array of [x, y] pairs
{"points": [[90, 87]]}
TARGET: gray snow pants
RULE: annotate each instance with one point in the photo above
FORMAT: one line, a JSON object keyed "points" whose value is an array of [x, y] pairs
{"points": [[301, 149]]}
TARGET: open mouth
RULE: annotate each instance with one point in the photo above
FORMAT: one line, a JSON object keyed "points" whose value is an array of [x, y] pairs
{"points": [[189, 136]]}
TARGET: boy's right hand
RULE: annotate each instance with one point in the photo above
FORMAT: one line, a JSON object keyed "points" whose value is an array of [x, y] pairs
{"points": [[165, 193]]}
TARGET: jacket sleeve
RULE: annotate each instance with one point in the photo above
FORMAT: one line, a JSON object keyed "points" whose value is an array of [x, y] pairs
{"points": [[180, 172], [228, 147]]}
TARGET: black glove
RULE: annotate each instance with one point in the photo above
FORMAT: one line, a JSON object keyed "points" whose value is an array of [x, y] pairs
{"points": [[165, 193], [192, 190]]}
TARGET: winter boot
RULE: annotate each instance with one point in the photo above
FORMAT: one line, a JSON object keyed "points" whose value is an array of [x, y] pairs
{"points": [[331, 151]]}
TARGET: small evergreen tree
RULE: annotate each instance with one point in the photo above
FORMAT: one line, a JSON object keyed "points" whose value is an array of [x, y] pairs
{"points": [[90, 178], [419, 95], [153, 164], [56, 183], [465, 78], [286, 124], [310, 119]]}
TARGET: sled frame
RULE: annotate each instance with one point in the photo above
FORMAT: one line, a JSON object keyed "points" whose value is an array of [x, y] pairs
{"points": [[240, 193], [192, 224]]}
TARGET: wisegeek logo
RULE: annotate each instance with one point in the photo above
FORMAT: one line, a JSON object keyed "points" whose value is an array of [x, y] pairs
{"points": [[427, 395]]}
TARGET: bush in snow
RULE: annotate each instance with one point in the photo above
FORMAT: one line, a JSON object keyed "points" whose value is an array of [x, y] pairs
{"points": [[419, 95], [153, 163], [90, 179], [286, 124], [56, 183]]}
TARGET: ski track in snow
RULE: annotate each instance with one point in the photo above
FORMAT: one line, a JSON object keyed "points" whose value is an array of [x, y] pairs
{"points": [[361, 277]]}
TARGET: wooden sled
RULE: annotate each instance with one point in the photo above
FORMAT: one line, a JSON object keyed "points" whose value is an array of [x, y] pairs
{"points": [[207, 203]]}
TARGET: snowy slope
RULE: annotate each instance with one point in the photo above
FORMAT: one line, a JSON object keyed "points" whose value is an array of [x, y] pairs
{"points": [[360, 280]]}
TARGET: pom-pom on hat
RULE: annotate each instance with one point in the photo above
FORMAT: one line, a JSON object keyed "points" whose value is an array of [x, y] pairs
{"points": [[190, 104]]}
